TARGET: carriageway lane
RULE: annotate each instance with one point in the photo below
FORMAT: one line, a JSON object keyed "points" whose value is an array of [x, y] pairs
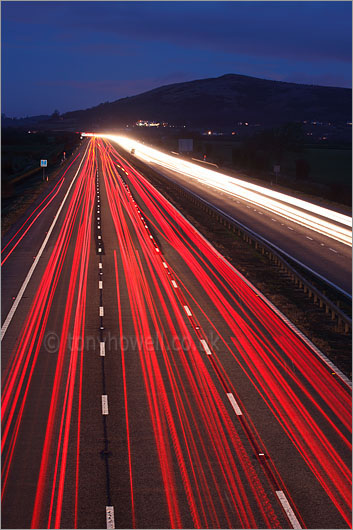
{"points": [[42, 372], [324, 255], [187, 457], [298, 427]]}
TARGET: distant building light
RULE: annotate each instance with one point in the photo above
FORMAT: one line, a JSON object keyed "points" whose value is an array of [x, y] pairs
{"points": [[246, 123], [349, 123], [209, 132], [233, 133]]}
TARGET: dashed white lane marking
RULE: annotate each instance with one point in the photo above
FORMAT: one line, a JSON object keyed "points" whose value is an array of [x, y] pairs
{"points": [[38, 256], [307, 237], [99, 250], [100, 284], [322, 244], [98, 227], [157, 249], [109, 516], [101, 311], [100, 265], [165, 265], [174, 284], [151, 237], [102, 349], [105, 410], [234, 404], [187, 311], [249, 207], [99, 237], [333, 250], [289, 228], [205, 347], [287, 508]]}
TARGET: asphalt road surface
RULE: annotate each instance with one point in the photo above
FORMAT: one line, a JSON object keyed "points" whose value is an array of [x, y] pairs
{"points": [[146, 384], [324, 255]]}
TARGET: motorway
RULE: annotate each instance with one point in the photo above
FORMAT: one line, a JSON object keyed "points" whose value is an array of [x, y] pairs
{"points": [[330, 257], [146, 383]]}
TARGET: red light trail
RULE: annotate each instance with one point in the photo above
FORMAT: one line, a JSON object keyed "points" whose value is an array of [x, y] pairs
{"points": [[194, 403]]}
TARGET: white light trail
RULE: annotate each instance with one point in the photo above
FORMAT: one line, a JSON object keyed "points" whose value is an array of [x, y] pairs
{"points": [[327, 222]]}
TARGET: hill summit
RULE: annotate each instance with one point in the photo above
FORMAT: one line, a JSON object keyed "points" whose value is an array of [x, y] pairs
{"points": [[221, 102]]}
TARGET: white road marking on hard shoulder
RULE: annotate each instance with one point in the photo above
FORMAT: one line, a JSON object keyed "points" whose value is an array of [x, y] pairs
{"points": [[101, 311], [109, 516], [38, 256], [289, 228], [174, 284], [287, 508], [205, 347], [100, 285], [307, 237], [105, 409], [102, 349], [187, 311], [333, 250], [234, 404]]}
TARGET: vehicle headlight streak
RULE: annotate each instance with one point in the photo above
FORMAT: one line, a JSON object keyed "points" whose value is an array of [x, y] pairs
{"points": [[306, 214]]}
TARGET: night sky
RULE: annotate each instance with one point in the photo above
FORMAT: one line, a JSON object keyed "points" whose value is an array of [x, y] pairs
{"points": [[73, 55]]}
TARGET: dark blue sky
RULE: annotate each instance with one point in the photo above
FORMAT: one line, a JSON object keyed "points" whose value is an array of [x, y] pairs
{"points": [[72, 55]]}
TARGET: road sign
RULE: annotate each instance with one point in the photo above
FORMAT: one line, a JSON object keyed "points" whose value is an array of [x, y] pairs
{"points": [[43, 163], [185, 145], [276, 169]]}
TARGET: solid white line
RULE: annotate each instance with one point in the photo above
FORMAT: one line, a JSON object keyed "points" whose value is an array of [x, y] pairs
{"points": [[101, 311], [174, 284], [100, 265], [105, 410], [102, 349], [109, 516], [205, 347], [287, 508], [100, 285], [39, 254], [234, 404], [187, 311]]}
